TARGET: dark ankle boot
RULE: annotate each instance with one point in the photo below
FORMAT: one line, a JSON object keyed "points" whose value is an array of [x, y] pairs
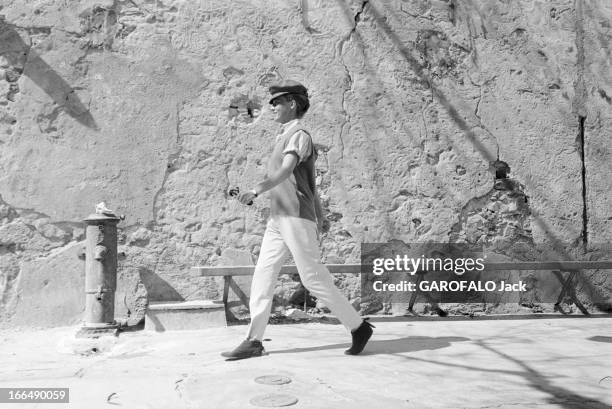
{"points": [[361, 335]]}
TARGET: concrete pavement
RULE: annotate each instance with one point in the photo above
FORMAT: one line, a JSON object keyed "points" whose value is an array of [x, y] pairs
{"points": [[530, 363]]}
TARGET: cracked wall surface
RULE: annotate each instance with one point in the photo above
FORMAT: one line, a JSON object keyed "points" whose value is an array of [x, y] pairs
{"points": [[159, 107]]}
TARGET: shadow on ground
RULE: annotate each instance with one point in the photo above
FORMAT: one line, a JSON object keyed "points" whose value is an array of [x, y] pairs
{"points": [[600, 338], [391, 346], [557, 395]]}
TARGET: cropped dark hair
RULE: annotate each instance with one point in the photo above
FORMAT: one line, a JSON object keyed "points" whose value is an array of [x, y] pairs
{"points": [[301, 103]]}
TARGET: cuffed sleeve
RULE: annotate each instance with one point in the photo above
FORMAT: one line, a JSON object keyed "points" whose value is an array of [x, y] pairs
{"points": [[299, 144]]}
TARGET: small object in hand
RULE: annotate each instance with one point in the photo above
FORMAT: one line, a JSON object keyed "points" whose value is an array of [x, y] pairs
{"points": [[235, 191], [325, 225]]}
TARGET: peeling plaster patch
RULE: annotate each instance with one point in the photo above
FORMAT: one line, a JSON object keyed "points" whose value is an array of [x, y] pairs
{"points": [[441, 55], [12, 76], [500, 217], [46, 122], [244, 109], [99, 25]]}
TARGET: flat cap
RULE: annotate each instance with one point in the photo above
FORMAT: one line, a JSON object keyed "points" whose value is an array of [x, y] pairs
{"points": [[287, 87]]}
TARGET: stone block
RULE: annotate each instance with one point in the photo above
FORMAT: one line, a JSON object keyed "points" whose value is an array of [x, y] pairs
{"points": [[185, 315]]}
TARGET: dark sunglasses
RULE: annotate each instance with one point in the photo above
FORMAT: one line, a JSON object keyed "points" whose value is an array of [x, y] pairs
{"points": [[278, 100]]}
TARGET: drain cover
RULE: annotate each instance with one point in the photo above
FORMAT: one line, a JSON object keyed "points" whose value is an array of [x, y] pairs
{"points": [[274, 400], [272, 380]]}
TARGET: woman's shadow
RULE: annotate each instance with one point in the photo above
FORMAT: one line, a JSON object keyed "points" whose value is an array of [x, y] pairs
{"points": [[390, 346]]}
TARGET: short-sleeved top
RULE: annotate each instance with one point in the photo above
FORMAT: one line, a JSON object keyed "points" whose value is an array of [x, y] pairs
{"points": [[294, 196]]}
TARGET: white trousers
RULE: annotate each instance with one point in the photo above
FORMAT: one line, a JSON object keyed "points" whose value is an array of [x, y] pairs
{"points": [[298, 236]]}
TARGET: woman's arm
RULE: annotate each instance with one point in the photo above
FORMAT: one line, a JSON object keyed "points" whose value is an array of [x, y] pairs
{"points": [[289, 162]]}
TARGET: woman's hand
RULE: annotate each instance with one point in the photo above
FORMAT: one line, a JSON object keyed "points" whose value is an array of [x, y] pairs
{"points": [[247, 197]]}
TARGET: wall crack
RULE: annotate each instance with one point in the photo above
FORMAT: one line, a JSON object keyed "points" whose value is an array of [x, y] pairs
{"points": [[346, 124], [171, 166], [477, 110], [585, 214], [347, 117], [579, 107]]}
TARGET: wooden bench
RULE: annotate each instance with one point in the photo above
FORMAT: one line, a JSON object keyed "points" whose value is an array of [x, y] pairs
{"points": [[565, 271], [229, 272]]}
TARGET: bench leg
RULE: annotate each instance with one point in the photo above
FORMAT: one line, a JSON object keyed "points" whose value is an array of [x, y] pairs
{"points": [[229, 316], [226, 284], [238, 291], [413, 296], [568, 289]]}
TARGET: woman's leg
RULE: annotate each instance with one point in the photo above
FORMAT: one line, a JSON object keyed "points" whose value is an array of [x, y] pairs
{"points": [[271, 257], [300, 236]]}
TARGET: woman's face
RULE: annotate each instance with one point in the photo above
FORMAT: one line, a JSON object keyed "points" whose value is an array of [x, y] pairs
{"points": [[284, 109]]}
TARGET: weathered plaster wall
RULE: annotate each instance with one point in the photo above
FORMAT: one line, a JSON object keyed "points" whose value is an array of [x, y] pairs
{"points": [[595, 82], [413, 102]]}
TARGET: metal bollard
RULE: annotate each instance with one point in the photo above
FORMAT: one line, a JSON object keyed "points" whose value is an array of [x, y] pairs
{"points": [[100, 275]]}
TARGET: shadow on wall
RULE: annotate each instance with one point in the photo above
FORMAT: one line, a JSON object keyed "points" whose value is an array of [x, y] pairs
{"points": [[157, 288], [424, 80], [27, 62]]}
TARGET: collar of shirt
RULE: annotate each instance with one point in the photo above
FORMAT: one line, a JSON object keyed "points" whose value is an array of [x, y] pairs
{"points": [[284, 127]]}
